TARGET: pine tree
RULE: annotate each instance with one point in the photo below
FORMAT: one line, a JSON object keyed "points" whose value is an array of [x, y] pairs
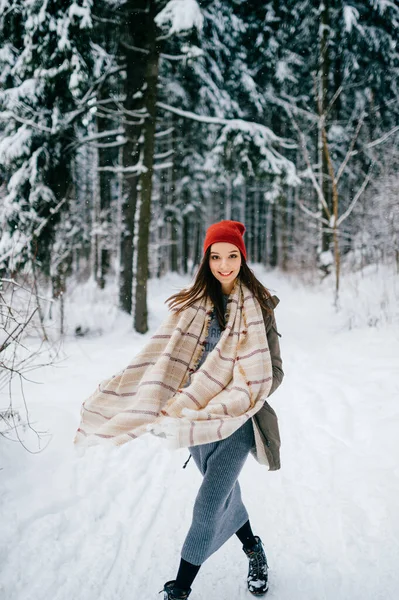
{"points": [[45, 61]]}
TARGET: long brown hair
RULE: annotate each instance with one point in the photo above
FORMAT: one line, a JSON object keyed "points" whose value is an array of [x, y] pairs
{"points": [[207, 286]]}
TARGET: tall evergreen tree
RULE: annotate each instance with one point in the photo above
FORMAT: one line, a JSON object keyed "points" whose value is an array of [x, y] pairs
{"points": [[45, 59]]}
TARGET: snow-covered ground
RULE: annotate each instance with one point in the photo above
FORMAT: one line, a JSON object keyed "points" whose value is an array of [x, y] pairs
{"points": [[110, 524]]}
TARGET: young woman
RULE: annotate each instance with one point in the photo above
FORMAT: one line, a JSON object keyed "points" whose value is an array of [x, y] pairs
{"points": [[202, 383]]}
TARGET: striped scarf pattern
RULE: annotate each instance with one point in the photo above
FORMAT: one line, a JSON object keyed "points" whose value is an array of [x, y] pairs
{"points": [[149, 394]]}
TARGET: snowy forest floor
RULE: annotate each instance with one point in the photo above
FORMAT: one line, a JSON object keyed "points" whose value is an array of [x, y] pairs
{"points": [[110, 525]]}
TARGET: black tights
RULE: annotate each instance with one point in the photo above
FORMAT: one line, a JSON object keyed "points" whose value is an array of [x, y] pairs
{"points": [[187, 572], [246, 536]]}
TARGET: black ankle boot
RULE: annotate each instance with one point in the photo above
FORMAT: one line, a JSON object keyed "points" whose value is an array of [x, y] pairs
{"points": [[257, 573], [173, 593]]}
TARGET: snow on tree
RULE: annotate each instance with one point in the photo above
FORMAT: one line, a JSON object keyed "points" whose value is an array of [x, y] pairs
{"points": [[45, 58]]}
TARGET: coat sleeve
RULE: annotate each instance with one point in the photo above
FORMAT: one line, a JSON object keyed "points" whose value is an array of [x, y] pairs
{"points": [[274, 346]]}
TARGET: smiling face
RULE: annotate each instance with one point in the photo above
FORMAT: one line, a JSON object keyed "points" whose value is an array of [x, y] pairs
{"points": [[225, 263]]}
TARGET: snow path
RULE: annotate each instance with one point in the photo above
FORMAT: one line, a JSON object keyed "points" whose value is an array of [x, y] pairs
{"points": [[110, 525]]}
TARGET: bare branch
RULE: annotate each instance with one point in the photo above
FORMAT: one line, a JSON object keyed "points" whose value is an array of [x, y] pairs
{"points": [[312, 214], [289, 105], [111, 71], [316, 185], [53, 211], [12, 335], [333, 99], [135, 48], [378, 141], [346, 214], [13, 282], [349, 154]]}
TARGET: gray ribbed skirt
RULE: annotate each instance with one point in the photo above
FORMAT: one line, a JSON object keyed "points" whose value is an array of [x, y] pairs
{"points": [[218, 509]]}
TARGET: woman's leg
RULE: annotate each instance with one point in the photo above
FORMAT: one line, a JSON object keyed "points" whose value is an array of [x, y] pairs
{"points": [[218, 510], [246, 536], [180, 588], [186, 574]]}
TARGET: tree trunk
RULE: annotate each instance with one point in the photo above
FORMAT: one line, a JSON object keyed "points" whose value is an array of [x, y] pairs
{"points": [[324, 76], [174, 253], [335, 208], [255, 222], [185, 243], [228, 197], [140, 317], [284, 231], [135, 35], [273, 235], [197, 254], [95, 212], [105, 159], [243, 202]]}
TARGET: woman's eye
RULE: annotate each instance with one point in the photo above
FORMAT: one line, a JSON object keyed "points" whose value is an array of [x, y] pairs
{"points": [[231, 256]]}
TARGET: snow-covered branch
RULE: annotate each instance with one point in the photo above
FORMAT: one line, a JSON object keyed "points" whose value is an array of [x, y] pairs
{"points": [[162, 155], [165, 132], [138, 168], [161, 166], [118, 143], [8, 114], [98, 136], [238, 124], [189, 52], [53, 211], [134, 48], [178, 17]]}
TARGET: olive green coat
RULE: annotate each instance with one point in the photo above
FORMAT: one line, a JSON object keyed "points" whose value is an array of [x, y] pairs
{"points": [[266, 419]]}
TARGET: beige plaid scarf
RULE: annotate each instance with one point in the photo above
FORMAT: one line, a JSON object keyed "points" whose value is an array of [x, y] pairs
{"points": [[149, 394]]}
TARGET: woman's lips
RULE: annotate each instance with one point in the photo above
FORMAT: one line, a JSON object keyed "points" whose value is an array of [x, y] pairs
{"points": [[225, 274]]}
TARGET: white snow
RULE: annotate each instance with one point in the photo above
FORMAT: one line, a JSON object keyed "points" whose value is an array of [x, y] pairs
{"points": [[15, 145], [110, 525], [29, 89], [81, 12], [351, 16], [180, 16], [326, 258], [284, 72]]}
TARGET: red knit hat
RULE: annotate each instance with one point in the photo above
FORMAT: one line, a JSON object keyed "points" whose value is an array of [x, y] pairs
{"points": [[226, 231]]}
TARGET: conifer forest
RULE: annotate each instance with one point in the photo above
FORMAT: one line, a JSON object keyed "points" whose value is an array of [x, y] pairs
{"points": [[128, 126]]}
